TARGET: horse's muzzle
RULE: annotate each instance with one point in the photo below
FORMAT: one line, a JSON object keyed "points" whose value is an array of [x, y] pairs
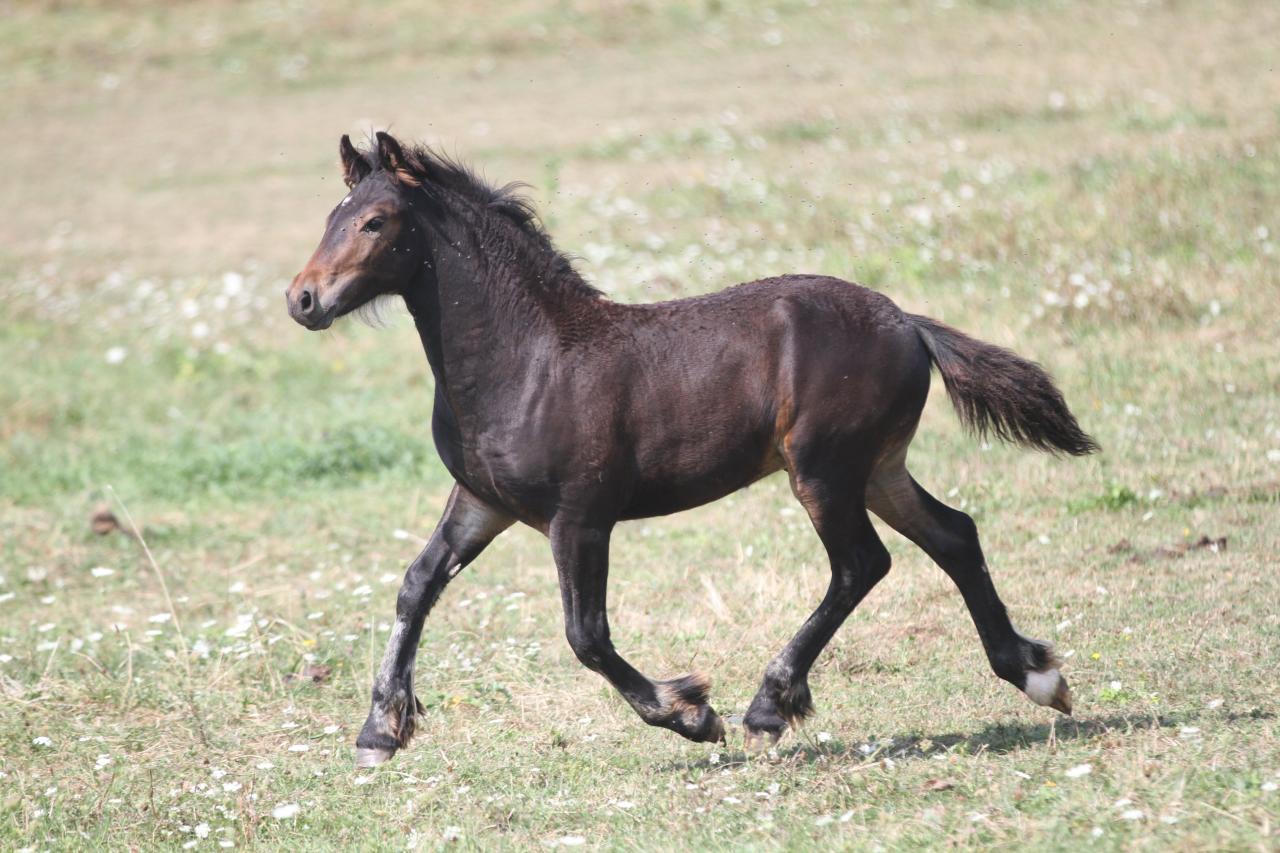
{"points": [[305, 308]]}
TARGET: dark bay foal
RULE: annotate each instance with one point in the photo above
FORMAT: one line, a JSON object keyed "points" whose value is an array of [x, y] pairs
{"points": [[560, 409]]}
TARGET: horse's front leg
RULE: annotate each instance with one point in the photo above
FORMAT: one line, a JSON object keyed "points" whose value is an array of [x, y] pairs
{"points": [[466, 527], [680, 704]]}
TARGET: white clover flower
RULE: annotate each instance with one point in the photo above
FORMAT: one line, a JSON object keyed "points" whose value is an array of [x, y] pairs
{"points": [[285, 811], [243, 623]]}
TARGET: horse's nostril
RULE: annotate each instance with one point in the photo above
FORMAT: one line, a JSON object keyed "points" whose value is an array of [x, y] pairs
{"points": [[304, 301]]}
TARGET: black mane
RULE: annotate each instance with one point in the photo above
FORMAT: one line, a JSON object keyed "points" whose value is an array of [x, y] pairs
{"points": [[434, 171]]}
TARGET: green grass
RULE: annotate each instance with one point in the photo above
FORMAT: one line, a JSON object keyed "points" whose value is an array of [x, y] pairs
{"points": [[1094, 185]]}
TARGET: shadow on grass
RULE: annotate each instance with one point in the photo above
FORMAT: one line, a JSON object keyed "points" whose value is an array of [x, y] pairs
{"points": [[998, 738]]}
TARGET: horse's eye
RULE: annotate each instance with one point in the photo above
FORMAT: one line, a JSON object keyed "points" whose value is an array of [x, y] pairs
{"points": [[373, 225]]}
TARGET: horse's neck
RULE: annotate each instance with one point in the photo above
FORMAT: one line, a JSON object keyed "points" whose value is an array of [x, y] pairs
{"points": [[481, 329]]}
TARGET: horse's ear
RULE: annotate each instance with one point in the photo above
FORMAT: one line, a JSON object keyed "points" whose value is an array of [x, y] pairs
{"points": [[354, 167], [391, 155]]}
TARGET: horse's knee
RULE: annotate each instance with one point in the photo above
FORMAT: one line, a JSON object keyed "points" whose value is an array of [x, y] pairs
{"points": [[588, 643], [850, 583]]}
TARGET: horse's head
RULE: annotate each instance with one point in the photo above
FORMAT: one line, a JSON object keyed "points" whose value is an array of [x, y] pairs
{"points": [[371, 244]]}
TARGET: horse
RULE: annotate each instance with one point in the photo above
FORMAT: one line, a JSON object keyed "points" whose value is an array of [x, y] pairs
{"points": [[566, 411]]}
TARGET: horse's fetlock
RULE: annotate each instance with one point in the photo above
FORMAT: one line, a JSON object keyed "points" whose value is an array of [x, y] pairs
{"points": [[1008, 664], [796, 703], [1038, 655], [778, 675], [682, 707]]}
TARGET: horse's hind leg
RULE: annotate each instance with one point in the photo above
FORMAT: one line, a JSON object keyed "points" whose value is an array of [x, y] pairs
{"points": [[858, 562], [951, 539]]}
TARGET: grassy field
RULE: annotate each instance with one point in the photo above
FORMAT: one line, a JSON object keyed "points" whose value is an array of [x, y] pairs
{"points": [[1096, 185]]}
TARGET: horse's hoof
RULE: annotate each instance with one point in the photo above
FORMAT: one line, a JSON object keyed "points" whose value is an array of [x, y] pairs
{"points": [[372, 756], [685, 711], [759, 740], [1049, 688], [764, 723], [698, 723], [1062, 699], [714, 729]]}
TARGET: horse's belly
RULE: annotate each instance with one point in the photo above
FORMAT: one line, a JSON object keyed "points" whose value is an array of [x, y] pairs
{"points": [[694, 472]]}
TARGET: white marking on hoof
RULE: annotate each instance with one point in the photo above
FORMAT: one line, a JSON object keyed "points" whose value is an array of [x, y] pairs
{"points": [[1042, 687], [1049, 688], [372, 756]]}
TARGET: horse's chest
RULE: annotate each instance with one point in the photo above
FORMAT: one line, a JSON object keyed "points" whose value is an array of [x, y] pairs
{"points": [[508, 464]]}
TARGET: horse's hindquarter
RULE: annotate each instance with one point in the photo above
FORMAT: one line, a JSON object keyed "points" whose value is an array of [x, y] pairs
{"points": [[716, 385]]}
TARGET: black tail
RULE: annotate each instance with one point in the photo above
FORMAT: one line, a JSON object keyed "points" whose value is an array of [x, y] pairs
{"points": [[997, 391]]}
